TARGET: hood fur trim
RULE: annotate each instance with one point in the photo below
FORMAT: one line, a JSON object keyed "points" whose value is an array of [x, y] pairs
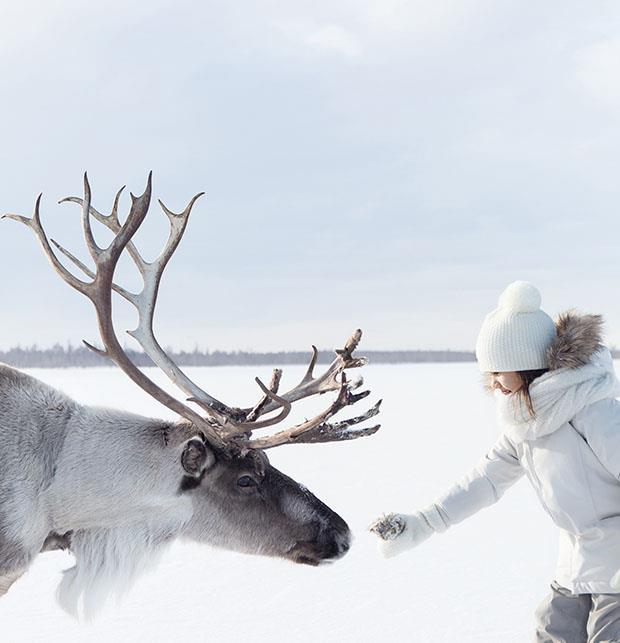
{"points": [[578, 337]]}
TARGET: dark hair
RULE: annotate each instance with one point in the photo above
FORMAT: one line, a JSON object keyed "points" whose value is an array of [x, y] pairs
{"points": [[527, 377]]}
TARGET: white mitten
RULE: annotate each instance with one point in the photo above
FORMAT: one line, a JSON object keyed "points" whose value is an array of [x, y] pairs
{"points": [[400, 532]]}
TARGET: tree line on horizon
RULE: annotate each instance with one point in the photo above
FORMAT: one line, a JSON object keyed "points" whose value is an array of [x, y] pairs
{"points": [[60, 356]]}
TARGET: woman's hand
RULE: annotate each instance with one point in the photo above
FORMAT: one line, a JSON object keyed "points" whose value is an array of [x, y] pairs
{"points": [[388, 526], [400, 532]]}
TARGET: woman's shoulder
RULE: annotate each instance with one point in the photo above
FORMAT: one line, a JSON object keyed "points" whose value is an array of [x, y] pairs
{"points": [[601, 413]]}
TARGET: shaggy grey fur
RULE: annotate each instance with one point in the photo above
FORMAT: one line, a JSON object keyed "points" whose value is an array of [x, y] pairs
{"points": [[579, 336]]}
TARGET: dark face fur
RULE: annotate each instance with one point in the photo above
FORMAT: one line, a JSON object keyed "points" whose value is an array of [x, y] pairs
{"points": [[244, 504]]}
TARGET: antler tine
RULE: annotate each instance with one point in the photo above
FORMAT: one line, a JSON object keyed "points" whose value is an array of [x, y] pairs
{"points": [[274, 384], [94, 250], [310, 370], [113, 216], [34, 224]]}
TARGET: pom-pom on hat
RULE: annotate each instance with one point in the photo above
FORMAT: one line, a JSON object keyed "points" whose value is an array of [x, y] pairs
{"points": [[516, 335]]}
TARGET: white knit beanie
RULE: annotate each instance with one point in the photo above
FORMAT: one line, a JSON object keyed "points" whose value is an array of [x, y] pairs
{"points": [[516, 335]]}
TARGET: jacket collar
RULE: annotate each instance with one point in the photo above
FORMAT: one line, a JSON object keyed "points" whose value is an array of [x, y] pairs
{"points": [[578, 338]]}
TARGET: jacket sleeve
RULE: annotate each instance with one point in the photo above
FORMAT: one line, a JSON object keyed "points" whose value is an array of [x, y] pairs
{"points": [[599, 425], [483, 485]]}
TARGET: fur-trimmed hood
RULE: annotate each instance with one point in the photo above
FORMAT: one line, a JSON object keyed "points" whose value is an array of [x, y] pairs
{"points": [[581, 372], [579, 337]]}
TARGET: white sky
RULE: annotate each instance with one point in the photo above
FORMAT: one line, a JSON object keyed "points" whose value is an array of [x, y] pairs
{"points": [[389, 165]]}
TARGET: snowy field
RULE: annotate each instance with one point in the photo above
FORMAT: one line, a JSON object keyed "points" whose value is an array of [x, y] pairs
{"points": [[480, 581]]}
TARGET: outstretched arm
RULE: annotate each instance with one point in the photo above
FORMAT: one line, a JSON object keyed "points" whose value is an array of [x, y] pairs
{"points": [[481, 487]]}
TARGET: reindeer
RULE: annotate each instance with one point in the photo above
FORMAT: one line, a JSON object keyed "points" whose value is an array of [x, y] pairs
{"points": [[115, 488]]}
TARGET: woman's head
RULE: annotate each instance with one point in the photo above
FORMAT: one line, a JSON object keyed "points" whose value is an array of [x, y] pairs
{"points": [[513, 343]]}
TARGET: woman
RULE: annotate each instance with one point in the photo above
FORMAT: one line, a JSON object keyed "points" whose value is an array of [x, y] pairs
{"points": [[555, 388]]}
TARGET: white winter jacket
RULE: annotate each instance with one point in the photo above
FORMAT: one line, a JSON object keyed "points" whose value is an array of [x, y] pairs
{"points": [[570, 454]]}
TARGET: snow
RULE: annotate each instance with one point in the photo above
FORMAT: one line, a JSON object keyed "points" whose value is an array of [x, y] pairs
{"points": [[480, 581]]}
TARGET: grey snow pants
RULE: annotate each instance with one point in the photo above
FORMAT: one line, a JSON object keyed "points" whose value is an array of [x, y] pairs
{"points": [[563, 617]]}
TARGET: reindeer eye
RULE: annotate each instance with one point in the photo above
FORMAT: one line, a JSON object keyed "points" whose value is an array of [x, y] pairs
{"points": [[246, 481]]}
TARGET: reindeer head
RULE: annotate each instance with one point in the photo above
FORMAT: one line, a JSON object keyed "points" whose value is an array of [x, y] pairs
{"points": [[239, 500], [242, 503]]}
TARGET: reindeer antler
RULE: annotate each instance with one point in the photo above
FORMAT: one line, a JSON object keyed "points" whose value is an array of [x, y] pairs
{"points": [[145, 301], [224, 425]]}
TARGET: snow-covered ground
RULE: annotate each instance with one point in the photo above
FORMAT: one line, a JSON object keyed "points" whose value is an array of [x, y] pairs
{"points": [[480, 581]]}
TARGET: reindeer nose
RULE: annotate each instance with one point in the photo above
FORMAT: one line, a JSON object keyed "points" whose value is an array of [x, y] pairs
{"points": [[344, 543], [334, 543]]}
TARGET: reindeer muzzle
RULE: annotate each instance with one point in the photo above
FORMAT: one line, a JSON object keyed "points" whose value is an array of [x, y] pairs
{"points": [[330, 545]]}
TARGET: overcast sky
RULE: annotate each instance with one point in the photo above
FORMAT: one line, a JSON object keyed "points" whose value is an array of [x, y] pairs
{"points": [[383, 164]]}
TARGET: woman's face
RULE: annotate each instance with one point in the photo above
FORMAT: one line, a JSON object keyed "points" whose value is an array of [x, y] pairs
{"points": [[507, 382]]}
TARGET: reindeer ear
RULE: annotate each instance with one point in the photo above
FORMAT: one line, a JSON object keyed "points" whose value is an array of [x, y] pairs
{"points": [[195, 457]]}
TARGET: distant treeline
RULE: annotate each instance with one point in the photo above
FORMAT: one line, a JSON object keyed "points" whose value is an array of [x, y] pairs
{"points": [[66, 356]]}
